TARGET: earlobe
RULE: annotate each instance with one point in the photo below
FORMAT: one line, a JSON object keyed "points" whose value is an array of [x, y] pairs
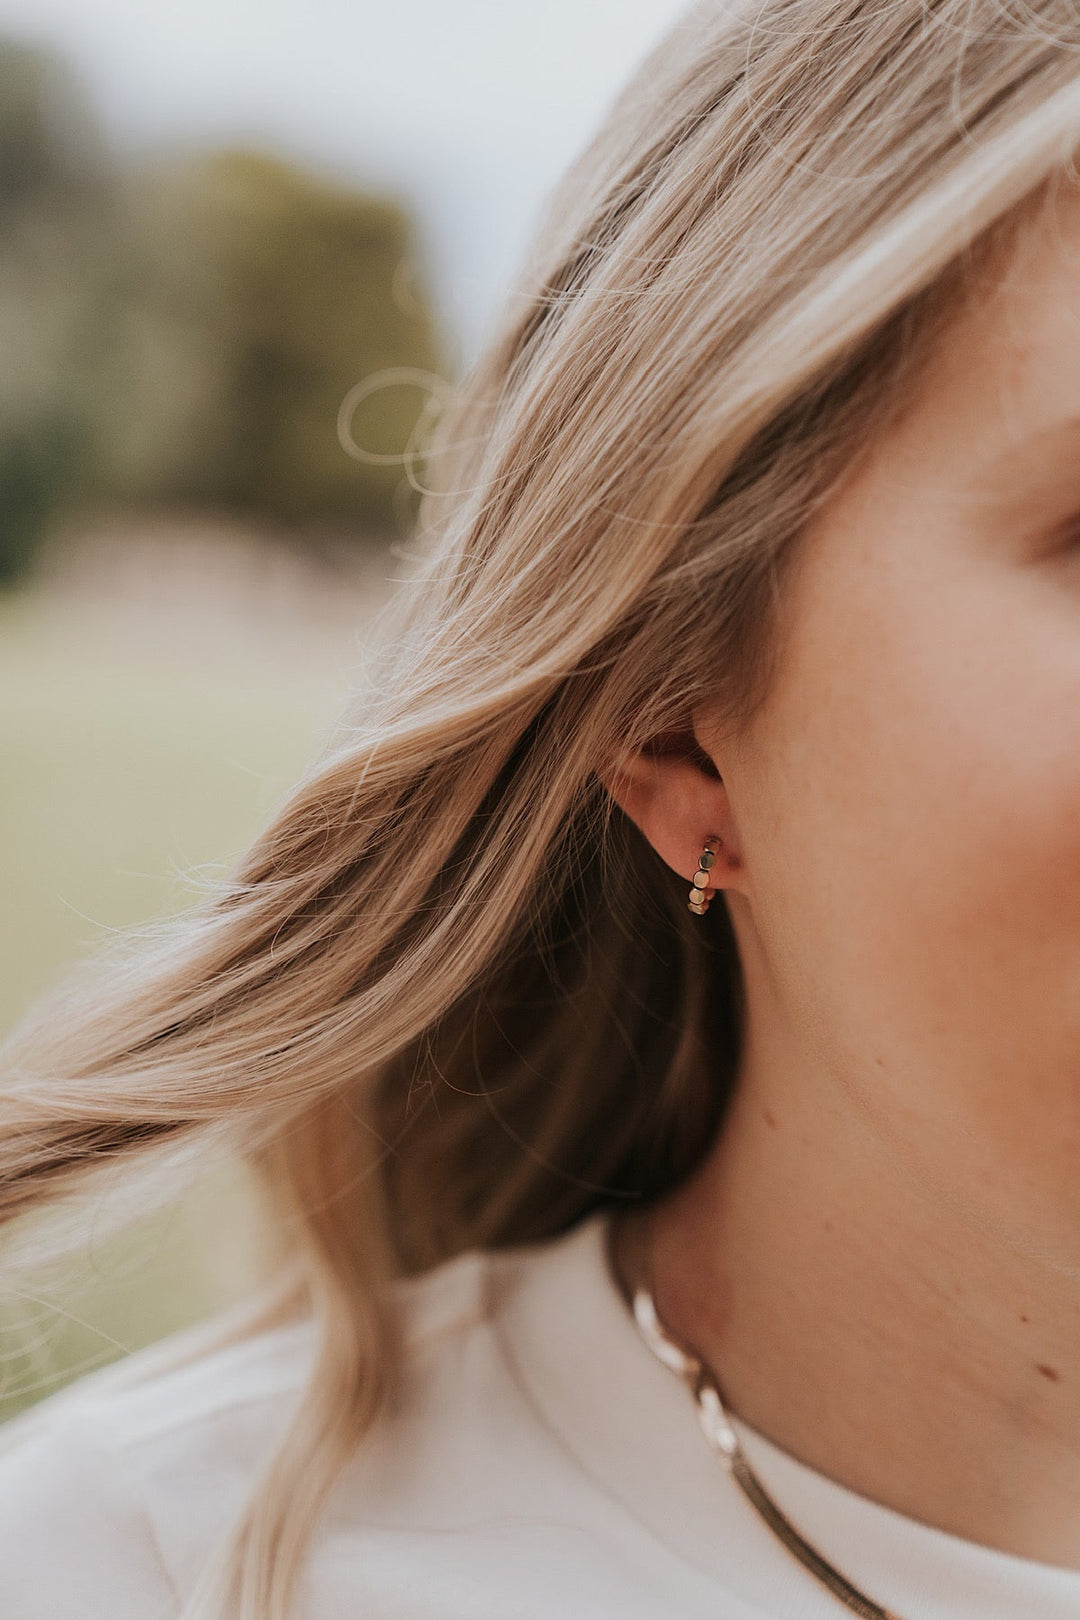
{"points": [[675, 795]]}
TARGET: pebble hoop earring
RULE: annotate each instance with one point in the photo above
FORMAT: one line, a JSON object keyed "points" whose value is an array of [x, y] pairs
{"points": [[702, 892]]}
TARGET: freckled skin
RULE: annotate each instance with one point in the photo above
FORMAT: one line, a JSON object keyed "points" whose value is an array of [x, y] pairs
{"points": [[881, 1253]]}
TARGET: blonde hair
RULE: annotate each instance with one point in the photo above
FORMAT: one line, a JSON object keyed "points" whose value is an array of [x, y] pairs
{"points": [[451, 998]]}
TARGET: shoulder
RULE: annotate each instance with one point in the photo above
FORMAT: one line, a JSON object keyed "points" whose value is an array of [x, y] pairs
{"points": [[114, 1491], [74, 1535]]}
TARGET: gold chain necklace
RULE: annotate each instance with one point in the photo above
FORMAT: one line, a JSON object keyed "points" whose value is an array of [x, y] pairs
{"points": [[720, 1433]]}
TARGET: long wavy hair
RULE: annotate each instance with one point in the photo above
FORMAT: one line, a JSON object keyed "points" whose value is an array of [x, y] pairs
{"points": [[450, 997]]}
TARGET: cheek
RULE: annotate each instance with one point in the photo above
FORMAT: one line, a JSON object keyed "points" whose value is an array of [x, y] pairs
{"points": [[917, 833]]}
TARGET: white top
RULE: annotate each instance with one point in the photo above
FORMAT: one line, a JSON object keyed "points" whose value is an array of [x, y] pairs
{"points": [[543, 1465]]}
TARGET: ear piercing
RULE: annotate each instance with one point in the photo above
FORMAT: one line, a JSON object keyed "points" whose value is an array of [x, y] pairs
{"points": [[701, 894]]}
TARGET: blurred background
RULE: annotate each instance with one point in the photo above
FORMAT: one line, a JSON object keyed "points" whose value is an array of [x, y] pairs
{"points": [[219, 224]]}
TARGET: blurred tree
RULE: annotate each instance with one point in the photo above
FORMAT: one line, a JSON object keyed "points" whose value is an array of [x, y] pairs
{"points": [[55, 230], [254, 297]]}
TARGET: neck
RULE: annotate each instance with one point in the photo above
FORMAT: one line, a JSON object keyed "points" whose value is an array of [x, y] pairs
{"points": [[866, 1328]]}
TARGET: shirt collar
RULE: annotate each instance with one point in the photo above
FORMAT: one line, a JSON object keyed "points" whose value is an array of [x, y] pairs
{"points": [[573, 1346]]}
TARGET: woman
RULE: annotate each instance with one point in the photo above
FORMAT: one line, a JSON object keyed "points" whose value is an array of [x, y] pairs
{"points": [[666, 996]]}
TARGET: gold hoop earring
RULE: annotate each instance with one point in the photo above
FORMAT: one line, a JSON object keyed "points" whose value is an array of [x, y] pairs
{"points": [[702, 892]]}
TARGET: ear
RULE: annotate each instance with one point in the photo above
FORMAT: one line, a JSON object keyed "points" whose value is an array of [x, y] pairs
{"points": [[674, 793]]}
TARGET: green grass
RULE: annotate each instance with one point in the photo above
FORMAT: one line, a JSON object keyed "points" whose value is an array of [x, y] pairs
{"points": [[122, 783], [128, 776]]}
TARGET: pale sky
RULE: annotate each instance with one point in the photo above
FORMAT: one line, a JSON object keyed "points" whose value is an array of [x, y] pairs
{"points": [[471, 108]]}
